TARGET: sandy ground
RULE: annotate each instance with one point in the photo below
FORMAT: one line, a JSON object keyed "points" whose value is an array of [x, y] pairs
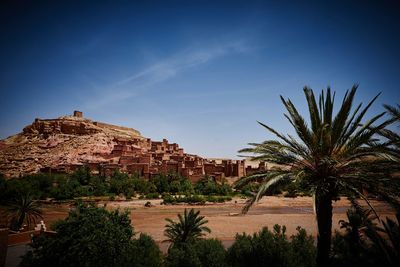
{"points": [[225, 219]]}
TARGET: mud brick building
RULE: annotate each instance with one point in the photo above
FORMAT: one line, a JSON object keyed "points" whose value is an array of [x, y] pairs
{"points": [[69, 142]]}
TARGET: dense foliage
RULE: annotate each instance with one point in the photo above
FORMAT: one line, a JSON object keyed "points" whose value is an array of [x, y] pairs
{"points": [[187, 246], [194, 199], [208, 186], [366, 240], [200, 253], [274, 249], [22, 209], [83, 183], [92, 236], [333, 154], [188, 228], [172, 183]]}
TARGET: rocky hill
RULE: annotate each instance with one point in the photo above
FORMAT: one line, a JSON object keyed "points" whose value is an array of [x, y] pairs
{"points": [[64, 144], [67, 140]]}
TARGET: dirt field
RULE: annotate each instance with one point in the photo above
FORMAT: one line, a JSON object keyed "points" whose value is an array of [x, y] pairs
{"points": [[225, 219]]}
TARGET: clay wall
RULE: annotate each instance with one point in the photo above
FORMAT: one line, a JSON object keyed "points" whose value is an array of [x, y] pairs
{"points": [[145, 159], [189, 164], [141, 168]]}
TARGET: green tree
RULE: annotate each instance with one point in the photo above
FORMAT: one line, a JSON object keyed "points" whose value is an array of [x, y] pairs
{"points": [[364, 242], [349, 247], [23, 209], [208, 186], [392, 190], [202, 253], [336, 153], [190, 227], [92, 236], [83, 175], [272, 249], [144, 252], [392, 136], [162, 183]]}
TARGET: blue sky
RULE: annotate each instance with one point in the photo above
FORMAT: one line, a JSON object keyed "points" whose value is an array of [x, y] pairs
{"points": [[198, 73]]}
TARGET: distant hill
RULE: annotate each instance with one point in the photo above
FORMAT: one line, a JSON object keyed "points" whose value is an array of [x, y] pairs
{"points": [[68, 142]]}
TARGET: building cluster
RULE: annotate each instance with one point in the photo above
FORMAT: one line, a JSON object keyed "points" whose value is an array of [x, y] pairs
{"points": [[70, 142], [147, 158]]}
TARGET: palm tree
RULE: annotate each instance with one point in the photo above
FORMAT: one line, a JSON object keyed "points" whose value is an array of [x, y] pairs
{"points": [[393, 137], [360, 221], [189, 227], [391, 245], [23, 209], [392, 154], [337, 153]]}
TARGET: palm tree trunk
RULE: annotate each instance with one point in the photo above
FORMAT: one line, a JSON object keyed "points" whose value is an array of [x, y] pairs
{"points": [[324, 221], [20, 221]]}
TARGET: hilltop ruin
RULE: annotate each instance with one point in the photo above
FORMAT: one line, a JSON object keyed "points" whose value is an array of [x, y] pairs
{"points": [[66, 143]]}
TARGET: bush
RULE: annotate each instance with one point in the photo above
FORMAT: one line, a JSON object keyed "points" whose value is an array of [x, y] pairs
{"points": [[168, 199], [92, 236], [219, 199], [267, 248], [207, 186], [192, 199], [249, 189], [171, 183], [83, 183], [202, 253], [182, 256], [210, 252], [152, 196], [144, 252], [143, 186]]}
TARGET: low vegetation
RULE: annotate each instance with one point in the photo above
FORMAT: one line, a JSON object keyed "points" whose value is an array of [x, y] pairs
{"points": [[82, 183], [273, 248], [367, 240], [92, 236], [331, 154]]}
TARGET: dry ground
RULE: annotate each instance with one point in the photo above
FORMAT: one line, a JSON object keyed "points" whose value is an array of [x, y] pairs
{"points": [[225, 219]]}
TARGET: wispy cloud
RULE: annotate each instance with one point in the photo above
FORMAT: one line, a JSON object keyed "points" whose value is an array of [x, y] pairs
{"points": [[163, 70]]}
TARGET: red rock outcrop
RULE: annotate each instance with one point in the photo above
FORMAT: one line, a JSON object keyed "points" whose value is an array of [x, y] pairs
{"points": [[68, 142]]}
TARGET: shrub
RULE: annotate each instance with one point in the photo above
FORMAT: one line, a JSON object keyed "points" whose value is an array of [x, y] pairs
{"points": [[192, 199], [92, 236], [202, 253], [249, 189], [168, 199], [144, 252], [207, 186], [219, 199], [121, 183], [182, 256], [152, 196], [267, 248], [172, 183], [143, 186], [211, 252]]}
